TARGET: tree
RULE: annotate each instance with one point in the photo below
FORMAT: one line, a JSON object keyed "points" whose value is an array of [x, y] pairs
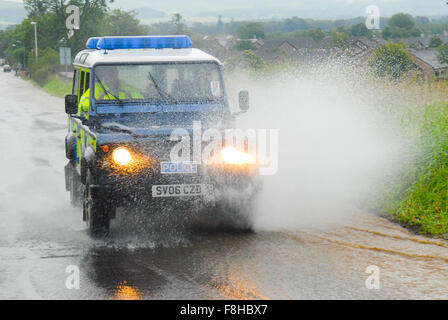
{"points": [[317, 35], [253, 61], [245, 45], [178, 25], [247, 60], [50, 16], [4, 41], [251, 30], [391, 59], [443, 54], [123, 23], [339, 40], [401, 20], [47, 65], [360, 30], [400, 25], [435, 42]]}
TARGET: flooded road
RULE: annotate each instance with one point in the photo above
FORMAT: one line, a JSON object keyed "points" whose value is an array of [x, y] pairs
{"points": [[165, 256]]}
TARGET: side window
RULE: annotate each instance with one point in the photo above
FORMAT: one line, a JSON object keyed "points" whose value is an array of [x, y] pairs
{"points": [[75, 82], [81, 83], [87, 82]]}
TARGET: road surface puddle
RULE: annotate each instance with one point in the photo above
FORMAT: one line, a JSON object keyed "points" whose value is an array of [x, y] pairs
{"points": [[411, 266]]}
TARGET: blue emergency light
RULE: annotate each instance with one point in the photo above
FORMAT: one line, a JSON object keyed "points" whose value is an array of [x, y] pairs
{"points": [[92, 43], [145, 42]]}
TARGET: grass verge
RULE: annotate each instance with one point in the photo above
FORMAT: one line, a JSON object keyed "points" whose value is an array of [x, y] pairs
{"points": [[57, 86], [420, 199]]}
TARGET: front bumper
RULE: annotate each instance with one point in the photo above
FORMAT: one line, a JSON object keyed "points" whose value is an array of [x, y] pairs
{"points": [[121, 190]]}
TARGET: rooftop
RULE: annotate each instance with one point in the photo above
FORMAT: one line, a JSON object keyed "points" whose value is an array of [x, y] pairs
{"points": [[429, 56]]}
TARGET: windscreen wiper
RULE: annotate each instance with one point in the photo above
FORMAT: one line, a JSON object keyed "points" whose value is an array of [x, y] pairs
{"points": [[161, 93], [107, 91]]}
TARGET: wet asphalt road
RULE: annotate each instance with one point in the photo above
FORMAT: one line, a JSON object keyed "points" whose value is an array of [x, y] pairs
{"points": [[164, 256]]}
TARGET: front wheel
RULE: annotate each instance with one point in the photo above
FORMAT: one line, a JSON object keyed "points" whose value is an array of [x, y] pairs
{"points": [[96, 211]]}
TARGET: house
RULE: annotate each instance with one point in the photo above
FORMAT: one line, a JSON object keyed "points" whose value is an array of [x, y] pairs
{"points": [[412, 42], [257, 43], [425, 41], [303, 49], [280, 44], [314, 55], [218, 46], [273, 55], [427, 63]]}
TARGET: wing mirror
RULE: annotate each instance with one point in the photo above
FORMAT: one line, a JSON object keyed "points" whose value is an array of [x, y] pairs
{"points": [[243, 98], [71, 104]]}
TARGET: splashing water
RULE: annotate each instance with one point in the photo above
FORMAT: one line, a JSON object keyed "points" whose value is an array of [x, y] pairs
{"points": [[336, 141]]}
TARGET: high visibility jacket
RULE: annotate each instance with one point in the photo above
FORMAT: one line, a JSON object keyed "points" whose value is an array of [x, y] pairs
{"points": [[126, 92]]}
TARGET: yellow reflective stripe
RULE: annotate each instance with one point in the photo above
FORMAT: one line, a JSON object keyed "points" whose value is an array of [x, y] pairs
{"points": [[83, 141], [91, 142]]}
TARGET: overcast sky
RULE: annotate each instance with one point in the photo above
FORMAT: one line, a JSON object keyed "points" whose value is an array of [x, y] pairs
{"points": [[303, 8], [318, 9]]}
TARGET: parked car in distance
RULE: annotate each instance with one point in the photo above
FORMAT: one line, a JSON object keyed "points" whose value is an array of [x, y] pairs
{"points": [[6, 68]]}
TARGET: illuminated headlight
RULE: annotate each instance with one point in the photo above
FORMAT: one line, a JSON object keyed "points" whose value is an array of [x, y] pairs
{"points": [[122, 156], [232, 156]]}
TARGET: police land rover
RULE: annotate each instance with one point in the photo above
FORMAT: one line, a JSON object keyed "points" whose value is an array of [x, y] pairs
{"points": [[144, 120]]}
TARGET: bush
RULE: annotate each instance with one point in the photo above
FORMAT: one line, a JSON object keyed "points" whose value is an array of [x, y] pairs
{"points": [[391, 59], [47, 64]]}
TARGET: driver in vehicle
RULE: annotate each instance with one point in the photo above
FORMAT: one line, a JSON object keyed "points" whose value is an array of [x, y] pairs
{"points": [[108, 86]]}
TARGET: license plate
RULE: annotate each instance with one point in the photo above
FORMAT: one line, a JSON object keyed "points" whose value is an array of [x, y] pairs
{"points": [[180, 190], [178, 167]]}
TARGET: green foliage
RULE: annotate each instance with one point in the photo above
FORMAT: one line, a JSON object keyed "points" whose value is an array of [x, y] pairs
{"points": [[339, 39], [4, 42], [401, 25], [317, 35], [401, 20], [250, 30], [360, 30], [178, 25], [253, 61], [442, 55], [50, 16], [58, 87], [246, 61], [392, 60], [46, 65], [123, 23], [435, 42], [245, 45], [421, 197]]}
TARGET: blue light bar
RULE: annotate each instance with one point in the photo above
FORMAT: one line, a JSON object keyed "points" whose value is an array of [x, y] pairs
{"points": [[92, 42], [145, 42]]}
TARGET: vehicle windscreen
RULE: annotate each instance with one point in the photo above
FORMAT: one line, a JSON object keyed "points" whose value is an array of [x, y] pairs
{"points": [[169, 82]]}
